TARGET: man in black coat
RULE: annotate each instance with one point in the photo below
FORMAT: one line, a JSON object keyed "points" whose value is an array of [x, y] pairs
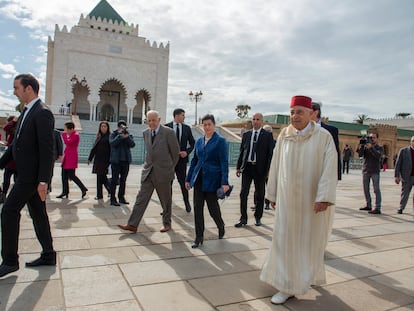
{"points": [[186, 141], [316, 107], [32, 149], [256, 150]]}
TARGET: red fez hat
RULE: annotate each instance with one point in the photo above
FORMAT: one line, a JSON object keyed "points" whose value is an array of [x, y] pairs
{"points": [[300, 100]]}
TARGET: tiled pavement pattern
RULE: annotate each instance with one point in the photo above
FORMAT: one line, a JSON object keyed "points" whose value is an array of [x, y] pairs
{"points": [[369, 259]]}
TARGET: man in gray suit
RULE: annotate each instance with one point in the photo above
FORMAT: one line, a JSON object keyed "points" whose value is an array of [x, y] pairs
{"points": [[162, 153], [404, 172]]}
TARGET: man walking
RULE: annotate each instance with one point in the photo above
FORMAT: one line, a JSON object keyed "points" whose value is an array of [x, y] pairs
{"points": [[346, 157], [404, 172], [186, 142], [302, 188], [372, 154], [121, 142], [32, 150], [158, 172], [253, 164]]}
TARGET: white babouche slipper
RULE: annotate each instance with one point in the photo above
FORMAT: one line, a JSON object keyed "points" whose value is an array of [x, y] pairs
{"points": [[280, 298]]}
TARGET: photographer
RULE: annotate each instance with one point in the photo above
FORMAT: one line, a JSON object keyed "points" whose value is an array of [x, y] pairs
{"points": [[121, 143], [372, 154]]}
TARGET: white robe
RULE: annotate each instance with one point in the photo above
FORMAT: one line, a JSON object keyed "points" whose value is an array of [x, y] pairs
{"points": [[303, 171]]}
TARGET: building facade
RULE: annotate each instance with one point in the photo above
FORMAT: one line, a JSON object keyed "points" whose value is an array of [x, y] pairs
{"points": [[101, 69]]}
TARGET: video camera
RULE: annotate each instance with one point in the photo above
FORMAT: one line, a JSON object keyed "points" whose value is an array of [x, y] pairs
{"points": [[124, 129], [365, 140]]}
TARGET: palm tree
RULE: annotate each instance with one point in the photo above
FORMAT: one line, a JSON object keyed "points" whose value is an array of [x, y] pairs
{"points": [[361, 118], [402, 114]]}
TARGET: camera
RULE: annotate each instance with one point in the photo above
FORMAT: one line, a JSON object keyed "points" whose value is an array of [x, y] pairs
{"points": [[365, 140], [124, 129]]}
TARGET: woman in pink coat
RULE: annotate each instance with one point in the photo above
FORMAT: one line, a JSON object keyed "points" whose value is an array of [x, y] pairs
{"points": [[70, 160]]}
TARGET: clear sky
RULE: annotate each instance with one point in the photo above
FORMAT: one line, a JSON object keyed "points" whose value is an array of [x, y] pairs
{"points": [[354, 56]]}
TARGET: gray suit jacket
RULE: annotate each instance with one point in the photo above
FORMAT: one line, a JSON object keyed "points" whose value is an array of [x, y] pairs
{"points": [[403, 165], [161, 156]]}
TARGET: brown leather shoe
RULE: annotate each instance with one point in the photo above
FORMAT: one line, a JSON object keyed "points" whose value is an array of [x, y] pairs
{"points": [[128, 228], [165, 228]]}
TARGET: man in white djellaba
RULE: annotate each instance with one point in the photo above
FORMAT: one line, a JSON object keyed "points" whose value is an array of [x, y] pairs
{"points": [[302, 190]]}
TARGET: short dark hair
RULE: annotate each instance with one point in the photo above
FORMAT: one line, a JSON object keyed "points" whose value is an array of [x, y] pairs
{"points": [[27, 79], [10, 118], [122, 122], [317, 107], [208, 117], [70, 125], [178, 111]]}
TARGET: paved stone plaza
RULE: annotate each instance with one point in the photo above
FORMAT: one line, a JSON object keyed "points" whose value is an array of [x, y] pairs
{"points": [[369, 259]]}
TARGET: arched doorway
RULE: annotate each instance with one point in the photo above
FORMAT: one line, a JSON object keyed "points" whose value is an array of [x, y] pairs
{"points": [[107, 113], [143, 99], [111, 106]]}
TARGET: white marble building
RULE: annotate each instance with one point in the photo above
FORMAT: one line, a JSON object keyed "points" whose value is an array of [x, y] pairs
{"points": [[101, 69]]}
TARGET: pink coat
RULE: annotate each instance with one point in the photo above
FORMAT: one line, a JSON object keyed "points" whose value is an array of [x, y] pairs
{"points": [[70, 155]]}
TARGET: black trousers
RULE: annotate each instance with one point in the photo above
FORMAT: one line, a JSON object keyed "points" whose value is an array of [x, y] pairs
{"points": [[250, 174], [102, 180], [213, 207], [70, 174], [181, 173], [345, 164], [20, 195], [119, 175]]}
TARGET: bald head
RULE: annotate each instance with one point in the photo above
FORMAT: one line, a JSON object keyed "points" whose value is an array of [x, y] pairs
{"points": [[153, 119], [257, 121]]}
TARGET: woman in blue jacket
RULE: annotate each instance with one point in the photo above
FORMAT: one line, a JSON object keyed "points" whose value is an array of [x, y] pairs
{"points": [[209, 170]]}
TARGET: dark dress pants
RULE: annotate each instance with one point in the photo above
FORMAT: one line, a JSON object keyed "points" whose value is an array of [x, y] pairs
{"points": [[181, 173], [21, 194], [8, 173], [119, 175], [213, 207], [250, 174], [101, 180], [70, 174]]}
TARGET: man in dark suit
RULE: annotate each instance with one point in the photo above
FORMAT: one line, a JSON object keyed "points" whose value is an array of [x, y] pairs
{"points": [[186, 141], [316, 116], [158, 172], [32, 149], [256, 152], [404, 172]]}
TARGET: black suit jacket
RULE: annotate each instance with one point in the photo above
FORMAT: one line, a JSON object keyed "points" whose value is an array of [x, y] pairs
{"points": [[264, 151], [33, 148], [335, 135], [187, 140]]}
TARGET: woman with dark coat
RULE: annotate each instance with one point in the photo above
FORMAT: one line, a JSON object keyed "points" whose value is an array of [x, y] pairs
{"points": [[209, 170], [101, 151]]}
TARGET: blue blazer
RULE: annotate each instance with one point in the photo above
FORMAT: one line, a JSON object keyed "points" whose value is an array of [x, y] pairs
{"points": [[212, 160]]}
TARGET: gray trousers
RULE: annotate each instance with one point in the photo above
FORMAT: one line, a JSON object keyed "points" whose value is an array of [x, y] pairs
{"points": [[406, 187], [164, 192], [366, 179]]}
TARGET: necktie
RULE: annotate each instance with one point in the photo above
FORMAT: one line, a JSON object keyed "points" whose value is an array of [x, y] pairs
{"points": [[19, 127], [177, 132], [253, 153], [152, 137]]}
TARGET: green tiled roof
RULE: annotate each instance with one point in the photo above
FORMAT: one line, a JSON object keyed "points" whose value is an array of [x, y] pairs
{"points": [[104, 10]]}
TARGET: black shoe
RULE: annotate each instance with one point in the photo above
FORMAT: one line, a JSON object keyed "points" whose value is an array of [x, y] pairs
{"points": [[115, 203], [258, 222], [240, 224], [5, 269], [123, 201], [197, 242], [399, 211], [42, 262], [187, 207], [98, 197], [267, 206], [221, 232], [374, 211], [84, 193], [62, 195], [366, 208]]}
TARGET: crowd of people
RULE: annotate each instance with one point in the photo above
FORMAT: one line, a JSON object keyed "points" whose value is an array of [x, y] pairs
{"points": [[303, 212]]}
